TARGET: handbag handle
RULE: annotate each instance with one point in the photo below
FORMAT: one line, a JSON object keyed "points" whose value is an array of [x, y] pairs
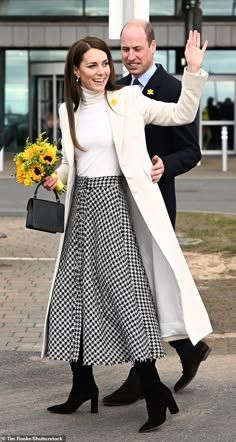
{"points": [[55, 192]]}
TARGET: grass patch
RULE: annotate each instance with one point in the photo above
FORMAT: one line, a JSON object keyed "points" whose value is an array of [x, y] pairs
{"points": [[217, 232]]}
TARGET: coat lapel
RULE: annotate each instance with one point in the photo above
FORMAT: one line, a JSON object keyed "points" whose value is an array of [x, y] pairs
{"points": [[116, 115], [69, 147]]}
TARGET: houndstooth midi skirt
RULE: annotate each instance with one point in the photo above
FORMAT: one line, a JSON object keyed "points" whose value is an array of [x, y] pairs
{"points": [[101, 292]]}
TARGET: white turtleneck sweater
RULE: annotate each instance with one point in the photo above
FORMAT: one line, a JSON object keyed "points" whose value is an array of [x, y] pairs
{"points": [[94, 133]]}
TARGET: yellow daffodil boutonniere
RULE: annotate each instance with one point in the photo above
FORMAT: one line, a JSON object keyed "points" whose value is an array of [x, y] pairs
{"points": [[113, 101], [150, 92], [37, 161]]}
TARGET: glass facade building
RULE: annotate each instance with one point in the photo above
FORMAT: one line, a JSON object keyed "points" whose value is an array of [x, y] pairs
{"points": [[32, 73], [78, 8]]}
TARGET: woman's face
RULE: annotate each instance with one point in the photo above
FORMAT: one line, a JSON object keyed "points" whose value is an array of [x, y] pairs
{"points": [[94, 70]]}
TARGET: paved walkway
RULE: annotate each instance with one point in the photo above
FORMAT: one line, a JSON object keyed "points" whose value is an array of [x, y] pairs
{"points": [[27, 260], [29, 385]]}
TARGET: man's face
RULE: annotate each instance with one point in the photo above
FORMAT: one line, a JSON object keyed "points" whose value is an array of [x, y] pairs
{"points": [[136, 54]]}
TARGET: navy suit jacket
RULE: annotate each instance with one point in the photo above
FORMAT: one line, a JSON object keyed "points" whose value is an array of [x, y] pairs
{"points": [[177, 146]]}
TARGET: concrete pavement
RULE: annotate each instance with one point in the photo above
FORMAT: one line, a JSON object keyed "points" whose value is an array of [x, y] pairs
{"points": [[27, 260], [29, 385]]}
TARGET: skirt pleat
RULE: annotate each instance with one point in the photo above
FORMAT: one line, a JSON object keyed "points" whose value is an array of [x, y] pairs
{"points": [[101, 293]]}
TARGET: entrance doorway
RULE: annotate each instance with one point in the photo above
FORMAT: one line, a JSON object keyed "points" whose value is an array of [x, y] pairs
{"points": [[46, 95]]}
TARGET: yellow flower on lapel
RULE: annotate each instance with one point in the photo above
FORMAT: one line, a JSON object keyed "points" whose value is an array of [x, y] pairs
{"points": [[150, 92], [113, 101]]}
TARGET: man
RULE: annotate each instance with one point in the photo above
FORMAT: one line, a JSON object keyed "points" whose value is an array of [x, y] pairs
{"points": [[173, 150]]}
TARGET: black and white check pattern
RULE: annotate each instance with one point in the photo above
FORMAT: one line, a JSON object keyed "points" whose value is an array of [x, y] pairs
{"points": [[101, 285]]}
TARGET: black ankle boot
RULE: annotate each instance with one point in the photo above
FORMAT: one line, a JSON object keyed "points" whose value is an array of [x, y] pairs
{"points": [[83, 389], [128, 393], [158, 397]]}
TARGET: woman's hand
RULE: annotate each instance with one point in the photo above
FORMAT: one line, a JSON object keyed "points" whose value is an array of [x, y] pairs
{"points": [[50, 182], [193, 54]]}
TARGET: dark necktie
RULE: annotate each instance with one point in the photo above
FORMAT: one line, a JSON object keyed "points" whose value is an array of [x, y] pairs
{"points": [[136, 82]]}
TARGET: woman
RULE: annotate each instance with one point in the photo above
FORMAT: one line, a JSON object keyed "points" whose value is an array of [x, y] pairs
{"points": [[106, 305]]}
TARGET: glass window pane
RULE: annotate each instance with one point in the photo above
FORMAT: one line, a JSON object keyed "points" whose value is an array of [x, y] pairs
{"points": [[116, 56], [161, 57], [213, 7], [95, 7], [211, 137], [162, 7], [167, 59], [16, 99], [47, 55], [218, 104], [220, 61], [218, 100], [42, 7]]}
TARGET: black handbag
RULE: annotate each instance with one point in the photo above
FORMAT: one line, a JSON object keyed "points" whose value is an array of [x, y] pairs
{"points": [[45, 215]]}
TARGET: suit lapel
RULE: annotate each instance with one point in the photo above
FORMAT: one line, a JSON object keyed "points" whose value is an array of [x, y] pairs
{"points": [[125, 80], [151, 89]]}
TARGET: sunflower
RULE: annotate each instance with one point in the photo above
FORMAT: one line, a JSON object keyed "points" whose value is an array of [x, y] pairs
{"points": [[32, 152], [48, 154], [37, 173], [28, 180], [20, 176], [19, 164]]}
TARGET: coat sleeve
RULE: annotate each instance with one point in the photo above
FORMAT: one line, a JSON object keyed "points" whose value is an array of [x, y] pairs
{"points": [[173, 114], [63, 169]]}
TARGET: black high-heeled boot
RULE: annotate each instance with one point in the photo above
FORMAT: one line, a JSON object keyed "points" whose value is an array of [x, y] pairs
{"points": [[83, 389], [157, 395]]}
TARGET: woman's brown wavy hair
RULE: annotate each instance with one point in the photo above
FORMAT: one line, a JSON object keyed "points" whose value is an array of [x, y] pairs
{"points": [[72, 90]]}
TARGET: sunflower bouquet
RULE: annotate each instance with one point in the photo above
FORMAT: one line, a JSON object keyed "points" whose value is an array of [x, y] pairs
{"points": [[37, 161]]}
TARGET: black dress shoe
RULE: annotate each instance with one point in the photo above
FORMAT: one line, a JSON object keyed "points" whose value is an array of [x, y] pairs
{"points": [[191, 364], [128, 393]]}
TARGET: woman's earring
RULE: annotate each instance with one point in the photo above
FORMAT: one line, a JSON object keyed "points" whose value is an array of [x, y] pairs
{"points": [[77, 79]]}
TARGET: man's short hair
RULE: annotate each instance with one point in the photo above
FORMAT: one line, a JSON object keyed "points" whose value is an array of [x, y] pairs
{"points": [[147, 27]]}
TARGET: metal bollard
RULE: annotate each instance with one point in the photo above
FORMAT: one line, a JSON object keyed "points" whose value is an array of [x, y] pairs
{"points": [[224, 145], [1, 158]]}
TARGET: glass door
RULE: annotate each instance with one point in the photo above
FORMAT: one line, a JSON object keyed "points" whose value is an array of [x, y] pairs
{"points": [[50, 91], [46, 95]]}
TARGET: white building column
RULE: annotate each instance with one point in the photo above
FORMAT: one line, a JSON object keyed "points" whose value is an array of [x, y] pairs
{"points": [[121, 11]]}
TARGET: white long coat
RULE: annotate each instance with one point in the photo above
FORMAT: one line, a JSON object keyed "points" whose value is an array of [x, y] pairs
{"points": [[180, 309]]}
